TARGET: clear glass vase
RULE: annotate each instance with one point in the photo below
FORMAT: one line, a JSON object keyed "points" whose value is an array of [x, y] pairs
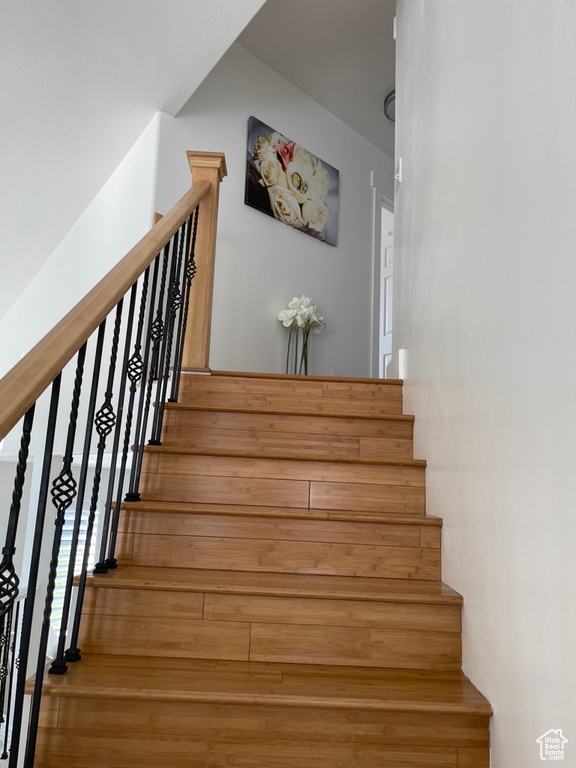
{"points": [[298, 351]]}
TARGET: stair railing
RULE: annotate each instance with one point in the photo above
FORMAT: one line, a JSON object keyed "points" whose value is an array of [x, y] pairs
{"points": [[119, 355]]}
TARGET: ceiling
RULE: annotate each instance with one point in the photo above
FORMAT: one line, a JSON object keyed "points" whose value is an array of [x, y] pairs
{"points": [[342, 54]]}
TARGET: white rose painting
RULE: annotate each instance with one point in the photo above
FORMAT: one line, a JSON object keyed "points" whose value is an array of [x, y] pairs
{"points": [[287, 182]]}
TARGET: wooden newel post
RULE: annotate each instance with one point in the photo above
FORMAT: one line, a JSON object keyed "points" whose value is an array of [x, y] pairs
{"points": [[211, 167]]}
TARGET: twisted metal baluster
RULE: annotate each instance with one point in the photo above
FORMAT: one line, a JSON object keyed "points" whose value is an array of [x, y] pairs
{"points": [[9, 581], [101, 566], [158, 324], [165, 294], [133, 492], [4, 653], [182, 291], [155, 340], [64, 490], [171, 309], [175, 305], [135, 370], [14, 665], [6, 622], [190, 274], [28, 612], [104, 422]]}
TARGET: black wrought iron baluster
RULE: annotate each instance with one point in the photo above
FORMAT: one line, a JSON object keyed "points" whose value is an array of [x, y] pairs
{"points": [[28, 612], [14, 664], [134, 372], [177, 294], [104, 423], [102, 566], [190, 274], [133, 493], [4, 662], [3, 666], [158, 324], [152, 375], [6, 624], [64, 491], [9, 581], [172, 302], [183, 277]]}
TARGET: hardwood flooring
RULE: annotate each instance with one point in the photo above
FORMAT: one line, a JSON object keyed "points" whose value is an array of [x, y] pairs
{"points": [[279, 600]]}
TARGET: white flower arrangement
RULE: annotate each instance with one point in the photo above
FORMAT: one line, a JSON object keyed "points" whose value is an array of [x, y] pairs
{"points": [[303, 316]]}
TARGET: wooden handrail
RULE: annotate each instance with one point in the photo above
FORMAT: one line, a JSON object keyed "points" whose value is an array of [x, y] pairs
{"points": [[24, 383]]}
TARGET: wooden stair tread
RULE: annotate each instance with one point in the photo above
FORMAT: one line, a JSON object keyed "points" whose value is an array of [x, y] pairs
{"points": [[268, 684], [278, 585], [279, 512], [279, 412], [295, 377], [332, 414], [168, 449]]}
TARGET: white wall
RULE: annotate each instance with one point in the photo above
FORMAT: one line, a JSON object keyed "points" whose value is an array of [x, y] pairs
{"points": [[485, 305], [262, 263], [119, 215]]}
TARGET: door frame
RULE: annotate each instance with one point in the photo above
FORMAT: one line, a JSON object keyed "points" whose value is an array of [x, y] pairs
{"points": [[380, 201]]}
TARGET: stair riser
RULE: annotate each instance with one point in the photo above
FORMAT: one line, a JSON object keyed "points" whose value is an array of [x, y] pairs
{"points": [[280, 529], [392, 500], [78, 749], [253, 722], [260, 482], [278, 557], [274, 395], [166, 463], [180, 735], [286, 546], [257, 628], [289, 434]]}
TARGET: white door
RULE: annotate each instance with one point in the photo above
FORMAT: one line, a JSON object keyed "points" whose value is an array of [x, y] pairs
{"points": [[386, 282]]}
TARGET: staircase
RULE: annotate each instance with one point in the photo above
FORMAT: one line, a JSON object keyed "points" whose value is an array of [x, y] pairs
{"points": [[279, 600]]}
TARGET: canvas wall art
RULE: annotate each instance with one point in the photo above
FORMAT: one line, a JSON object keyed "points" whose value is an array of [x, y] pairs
{"points": [[287, 182]]}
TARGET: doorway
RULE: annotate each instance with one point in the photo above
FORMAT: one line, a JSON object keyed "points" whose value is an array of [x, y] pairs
{"points": [[386, 287]]}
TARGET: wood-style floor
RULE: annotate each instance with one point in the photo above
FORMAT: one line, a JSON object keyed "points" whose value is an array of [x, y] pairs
{"points": [[279, 601]]}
